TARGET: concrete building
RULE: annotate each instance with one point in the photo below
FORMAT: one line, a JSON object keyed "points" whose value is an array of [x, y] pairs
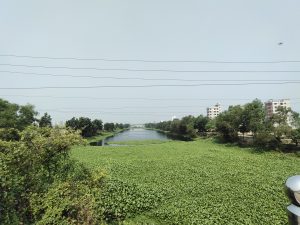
{"points": [[214, 111], [272, 105]]}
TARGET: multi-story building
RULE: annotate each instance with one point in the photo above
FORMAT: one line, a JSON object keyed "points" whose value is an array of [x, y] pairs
{"points": [[214, 111], [272, 105]]}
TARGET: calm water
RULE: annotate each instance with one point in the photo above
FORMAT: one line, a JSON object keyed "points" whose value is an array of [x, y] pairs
{"points": [[133, 135]]}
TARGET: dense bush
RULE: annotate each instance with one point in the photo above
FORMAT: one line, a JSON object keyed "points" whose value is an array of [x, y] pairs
{"points": [[29, 166], [40, 184], [9, 134]]}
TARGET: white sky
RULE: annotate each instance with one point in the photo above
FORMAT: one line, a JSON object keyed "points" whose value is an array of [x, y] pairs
{"points": [[148, 30]]}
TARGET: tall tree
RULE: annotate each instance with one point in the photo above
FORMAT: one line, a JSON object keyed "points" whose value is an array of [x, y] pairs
{"points": [[201, 123], [254, 116], [8, 114], [45, 121], [26, 116], [15, 116], [230, 122], [98, 124]]}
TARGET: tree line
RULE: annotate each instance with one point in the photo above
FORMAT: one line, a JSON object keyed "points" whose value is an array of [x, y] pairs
{"points": [[91, 128], [231, 125], [14, 118]]}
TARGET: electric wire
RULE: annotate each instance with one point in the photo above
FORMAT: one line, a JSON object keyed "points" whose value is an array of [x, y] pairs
{"points": [[150, 61]]}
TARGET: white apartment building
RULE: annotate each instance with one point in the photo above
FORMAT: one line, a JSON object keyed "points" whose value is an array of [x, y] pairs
{"points": [[272, 105], [214, 111]]}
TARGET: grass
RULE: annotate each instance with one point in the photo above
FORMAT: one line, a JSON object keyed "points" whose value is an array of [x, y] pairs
{"points": [[100, 136], [200, 182]]}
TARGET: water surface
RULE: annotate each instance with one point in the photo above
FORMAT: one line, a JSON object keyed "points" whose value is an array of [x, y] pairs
{"points": [[136, 134]]}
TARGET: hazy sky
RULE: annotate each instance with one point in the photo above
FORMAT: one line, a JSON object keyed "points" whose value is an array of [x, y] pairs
{"points": [[169, 30]]}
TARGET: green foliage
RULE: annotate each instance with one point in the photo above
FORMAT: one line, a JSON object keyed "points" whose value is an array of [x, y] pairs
{"points": [[201, 124], [211, 125], [182, 128], [26, 116], [29, 166], [98, 124], [197, 182], [91, 128], [295, 135], [230, 122], [15, 116], [45, 121], [280, 124], [254, 116], [266, 140], [9, 134], [122, 199], [67, 202], [109, 126], [87, 127], [40, 184]]}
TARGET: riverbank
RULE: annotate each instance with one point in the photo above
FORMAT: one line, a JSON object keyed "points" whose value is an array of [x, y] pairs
{"points": [[174, 136], [103, 135]]}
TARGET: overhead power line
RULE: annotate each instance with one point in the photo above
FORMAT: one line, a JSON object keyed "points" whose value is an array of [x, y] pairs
{"points": [[139, 78], [150, 61], [150, 70], [147, 86], [129, 98]]}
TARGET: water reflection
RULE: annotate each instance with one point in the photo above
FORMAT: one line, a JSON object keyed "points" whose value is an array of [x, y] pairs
{"points": [[133, 135]]}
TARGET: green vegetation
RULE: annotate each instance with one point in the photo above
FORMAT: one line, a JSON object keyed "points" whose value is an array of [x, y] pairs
{"points": [[16, 116], [100, 137], [144, 182], [198, 182], [41, 184], [45, 121], [230, 125], [87, 127]]}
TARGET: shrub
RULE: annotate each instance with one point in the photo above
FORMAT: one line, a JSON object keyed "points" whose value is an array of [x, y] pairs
{"points": [[9, 134]]}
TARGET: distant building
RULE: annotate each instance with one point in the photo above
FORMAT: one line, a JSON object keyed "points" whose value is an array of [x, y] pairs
{"points": [[271, 107], [214, 111]]}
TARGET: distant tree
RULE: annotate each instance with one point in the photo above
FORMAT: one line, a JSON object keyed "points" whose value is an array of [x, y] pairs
{"points": [[211, 125], [88, 127], [73, 123], [98, 124], [279, 123], [201, 123], [254, 116], [109, 126], [183, 127], [8, 114], [26, 116], [229, 123], [15, 116], [295, 135], [45, 121], [126, 125]]}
